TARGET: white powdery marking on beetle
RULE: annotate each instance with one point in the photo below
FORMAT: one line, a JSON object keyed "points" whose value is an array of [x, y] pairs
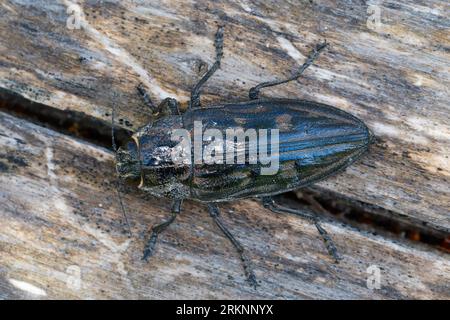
{"points": [[27, 287], [290, 49], [119, 52]]}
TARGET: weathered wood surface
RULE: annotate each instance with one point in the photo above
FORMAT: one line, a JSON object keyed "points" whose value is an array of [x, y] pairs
{"points": [[63, 236], [394, 75]]}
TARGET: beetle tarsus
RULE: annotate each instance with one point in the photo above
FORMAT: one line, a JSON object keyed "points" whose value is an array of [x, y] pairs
{"points": [[195, 93], [150, 246], [248, 270], [156, 230], [331, 248], [270, 204], [254, 92]]}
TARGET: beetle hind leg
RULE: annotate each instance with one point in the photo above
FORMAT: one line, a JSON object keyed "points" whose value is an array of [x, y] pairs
{"points": [[248, 270], [156, 230], [254, 92], [270, 204], [195, 93]]}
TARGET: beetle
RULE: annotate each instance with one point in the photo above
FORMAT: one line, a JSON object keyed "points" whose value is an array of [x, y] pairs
{"points": [[315, 141]]}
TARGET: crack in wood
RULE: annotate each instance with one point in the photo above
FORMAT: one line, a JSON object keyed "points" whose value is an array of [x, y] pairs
{"points": [[355, 213]]}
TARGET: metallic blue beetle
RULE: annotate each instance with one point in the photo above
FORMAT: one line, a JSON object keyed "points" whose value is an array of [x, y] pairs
{"points": [[315, 142]]}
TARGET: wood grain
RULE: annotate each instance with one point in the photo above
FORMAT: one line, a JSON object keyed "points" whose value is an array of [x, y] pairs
{"points": [[395, 75], [60, 220], [63, 236]]}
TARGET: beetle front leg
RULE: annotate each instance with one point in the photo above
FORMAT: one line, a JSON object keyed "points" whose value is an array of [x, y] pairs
{"points": [[156, 230], [195, 93], [254, 92], [146, 97], [248, 270], [167, 107], [270, 204]]}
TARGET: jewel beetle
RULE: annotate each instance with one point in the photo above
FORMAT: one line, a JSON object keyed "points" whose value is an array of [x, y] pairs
{"points": [[314, 141]]}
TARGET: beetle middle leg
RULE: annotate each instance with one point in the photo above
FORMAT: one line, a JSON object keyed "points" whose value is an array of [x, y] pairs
{"points": [[214, 213], [195, 93], [254, 92], [156, 230], [270, 204]]}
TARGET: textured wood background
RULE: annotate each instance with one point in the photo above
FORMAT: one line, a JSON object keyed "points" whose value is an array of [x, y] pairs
{"points": [[63, 236], [394, 75]]}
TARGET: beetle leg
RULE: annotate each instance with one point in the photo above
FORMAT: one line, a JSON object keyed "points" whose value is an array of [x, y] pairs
{"points": [[156, 230], [168, 106], [270, 204], [195, 93], [248, 270], [146, 97], [254, 92]]}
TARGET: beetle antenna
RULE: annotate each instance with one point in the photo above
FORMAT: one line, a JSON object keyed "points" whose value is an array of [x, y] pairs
{"points": [[119, 195], [117, 182], [113, 139]]}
